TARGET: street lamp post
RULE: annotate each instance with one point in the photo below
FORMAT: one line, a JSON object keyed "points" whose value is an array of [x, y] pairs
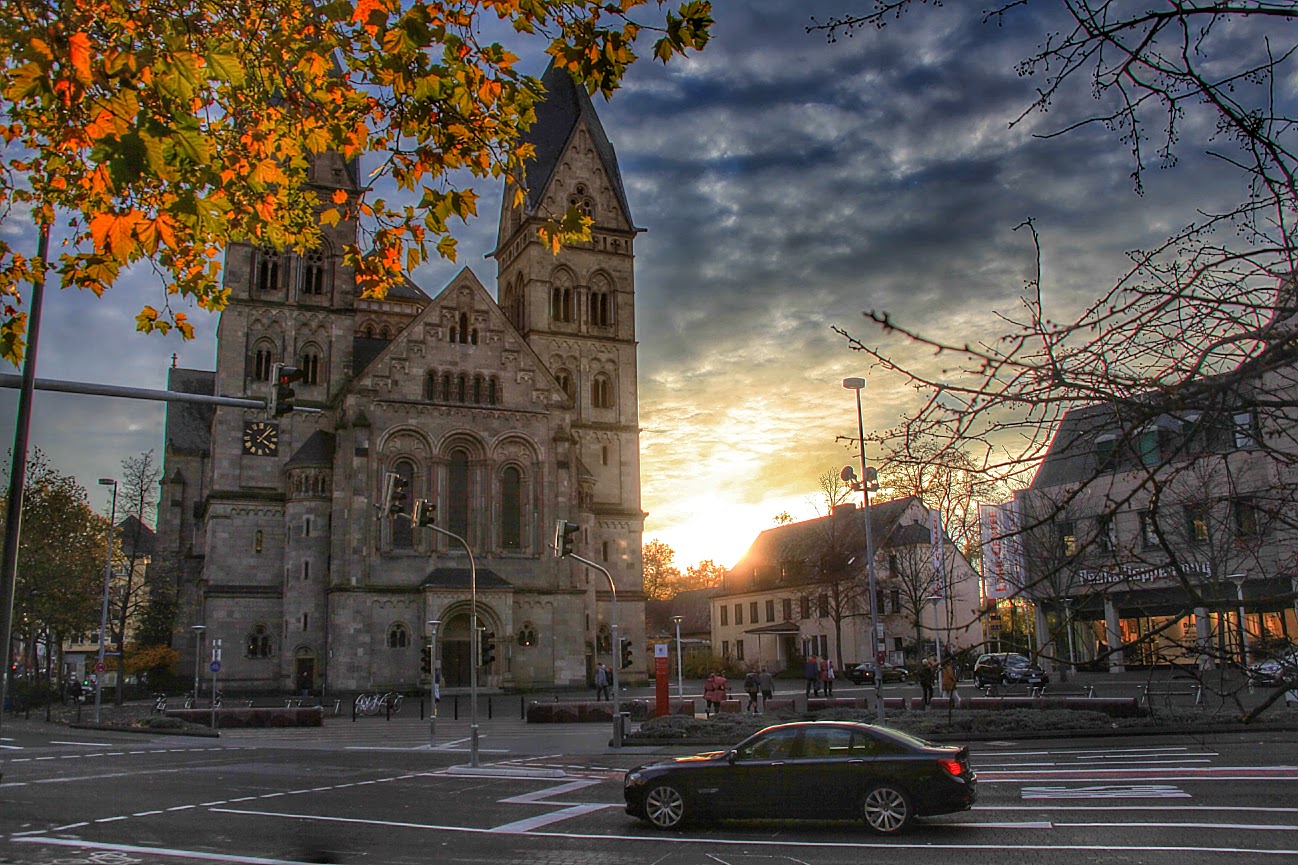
{"points": [[858, 385], [103, 611], [1068, 623], [198, 657], [1238, 580], [680, 678], [937, 625], [432, 682], [475, 642]]}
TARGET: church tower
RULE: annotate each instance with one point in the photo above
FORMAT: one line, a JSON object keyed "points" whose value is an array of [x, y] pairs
{"points": [[577, 311]]}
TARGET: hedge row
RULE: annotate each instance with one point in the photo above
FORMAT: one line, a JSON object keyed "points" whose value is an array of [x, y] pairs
{"points": [[270, 716]]}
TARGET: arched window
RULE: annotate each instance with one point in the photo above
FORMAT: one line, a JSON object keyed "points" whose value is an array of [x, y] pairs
{"points": [[403, 536], [315, 273], [601, 392], [462, 388], [385, 333], [561, 303], [464, 328], [457, 492], [430, 385], [511, 509], [479, 389], [581, 200], [267, 270], [446, 387], [600, 309], [369, 331], [259, 642], [493, 391], [263, 361], [527, 635], [310, 364], [398, 636], [565, 381]]}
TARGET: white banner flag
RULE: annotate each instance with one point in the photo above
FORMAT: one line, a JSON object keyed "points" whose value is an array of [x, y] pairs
{"points": [[935, 547], [1002, 549]]}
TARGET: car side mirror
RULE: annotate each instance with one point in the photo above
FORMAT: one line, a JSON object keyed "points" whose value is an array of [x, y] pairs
{"points": [[730, 757]]}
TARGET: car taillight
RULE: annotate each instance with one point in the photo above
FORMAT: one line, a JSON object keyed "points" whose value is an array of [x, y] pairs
{"points": [[952, 767]]}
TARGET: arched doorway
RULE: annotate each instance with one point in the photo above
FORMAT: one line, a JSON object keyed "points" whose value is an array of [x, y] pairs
{"points": [[303, 670], [456, 648]]}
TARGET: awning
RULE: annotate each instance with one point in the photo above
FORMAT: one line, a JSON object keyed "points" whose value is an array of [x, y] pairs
{"points": [[778, 628]]}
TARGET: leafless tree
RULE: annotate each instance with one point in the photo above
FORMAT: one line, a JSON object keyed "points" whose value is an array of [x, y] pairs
{"points": [[1186, 366], [139, 497]]}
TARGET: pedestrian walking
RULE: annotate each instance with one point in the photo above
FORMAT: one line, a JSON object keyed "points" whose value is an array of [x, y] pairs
{"points": [[949, 681], [926, 676], [751, 687], [767, 684], [829, 678], [822, 675], [714, 692], [602, 682], [812, 674]]}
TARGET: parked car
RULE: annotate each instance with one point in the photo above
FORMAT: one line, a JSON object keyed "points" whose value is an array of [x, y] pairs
{"points": [[808, 769], [863, 674], [1275, 671], [1007, 668]]}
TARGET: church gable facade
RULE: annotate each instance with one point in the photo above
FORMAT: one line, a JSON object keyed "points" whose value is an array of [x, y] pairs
{"points": [[505, 416]]}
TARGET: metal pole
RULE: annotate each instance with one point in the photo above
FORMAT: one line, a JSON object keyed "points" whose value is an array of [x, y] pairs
{"points": [[937, 625], [103, 610], [1238, 579], [617, 648], [680, 662], [1068, 613], [18, 468], [198, 656], [858, 384], [475, 643], [432, 683]]}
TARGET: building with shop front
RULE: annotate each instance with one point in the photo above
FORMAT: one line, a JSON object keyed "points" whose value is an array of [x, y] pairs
{"points": [[1156, 535], [801, 589], [506, 412]]}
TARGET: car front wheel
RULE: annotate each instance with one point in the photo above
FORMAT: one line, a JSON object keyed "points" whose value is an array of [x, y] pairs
{"points": [[886, 809], [664, 807]]}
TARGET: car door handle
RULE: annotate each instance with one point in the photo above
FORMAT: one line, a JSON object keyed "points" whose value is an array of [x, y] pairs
{"points": [[777, 763], [856, 762]]}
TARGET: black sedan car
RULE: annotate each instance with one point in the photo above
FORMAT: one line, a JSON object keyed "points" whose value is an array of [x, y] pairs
{"points": [[810, 769], [1008, 668], [863, 674]]}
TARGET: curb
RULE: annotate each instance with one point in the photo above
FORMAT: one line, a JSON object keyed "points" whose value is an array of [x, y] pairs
{"points": [[111, 728]]}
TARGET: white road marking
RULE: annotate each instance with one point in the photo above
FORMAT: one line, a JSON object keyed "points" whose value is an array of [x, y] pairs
{"points": [[1111, 791], [87, 744], [161, 851], [522, 827]]}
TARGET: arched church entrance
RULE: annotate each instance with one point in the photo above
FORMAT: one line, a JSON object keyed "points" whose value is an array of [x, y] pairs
{"points": [[456, 648]]}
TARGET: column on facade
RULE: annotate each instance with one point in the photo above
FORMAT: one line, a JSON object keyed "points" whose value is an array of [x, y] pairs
{"points": [[1113, 637], [1046, 637], [1203, 638]]}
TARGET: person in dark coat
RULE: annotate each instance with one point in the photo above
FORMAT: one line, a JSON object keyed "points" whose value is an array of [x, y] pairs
{"points": [[751, 687], [812, 674], [927, 674]]}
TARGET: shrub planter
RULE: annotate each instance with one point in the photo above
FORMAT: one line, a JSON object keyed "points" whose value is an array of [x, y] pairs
{"points": [[819, 704], [779, 706], [589, 711], [232, 719]]}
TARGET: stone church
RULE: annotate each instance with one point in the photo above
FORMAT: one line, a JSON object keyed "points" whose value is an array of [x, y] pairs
{"points": [[507, 414]]}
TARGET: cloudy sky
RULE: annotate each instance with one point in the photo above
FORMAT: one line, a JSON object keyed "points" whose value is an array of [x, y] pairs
{"points": [[786, 184]]}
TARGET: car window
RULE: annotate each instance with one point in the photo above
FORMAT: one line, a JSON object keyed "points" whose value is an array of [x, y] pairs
{"points": [[827, 742], [866, 744], [776, 745]]}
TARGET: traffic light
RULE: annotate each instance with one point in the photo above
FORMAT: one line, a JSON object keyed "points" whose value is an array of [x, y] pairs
{"points": [[564, 532], [396, 490], [282, 393], [626, 654], [424, 514], [488, 648], [426, 659]]}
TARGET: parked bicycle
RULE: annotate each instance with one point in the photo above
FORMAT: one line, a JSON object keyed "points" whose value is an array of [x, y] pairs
{"points": [[160, 704], [374, 703]]}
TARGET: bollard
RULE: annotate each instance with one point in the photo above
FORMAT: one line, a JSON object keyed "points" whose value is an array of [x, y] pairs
{"points": [[457, 707], [488, 707]]}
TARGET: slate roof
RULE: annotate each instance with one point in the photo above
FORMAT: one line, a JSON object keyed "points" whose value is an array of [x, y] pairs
{"points": [[364, 350], [565, 104], [189, 425], [137, 539], [694, 607], [458, 578], [317, 450]]}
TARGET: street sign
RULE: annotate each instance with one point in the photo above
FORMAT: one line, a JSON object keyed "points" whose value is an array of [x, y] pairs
{"points": [[995, 627], [99, 666], [216, 667], [660, 650]]}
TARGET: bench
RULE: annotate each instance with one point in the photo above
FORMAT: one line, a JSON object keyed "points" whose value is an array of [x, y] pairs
{"points": [[1168, 690], [995, 689]]}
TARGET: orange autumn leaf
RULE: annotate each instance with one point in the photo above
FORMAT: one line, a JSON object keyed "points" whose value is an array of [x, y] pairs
{"points": [[79, 51], [340, 196]]}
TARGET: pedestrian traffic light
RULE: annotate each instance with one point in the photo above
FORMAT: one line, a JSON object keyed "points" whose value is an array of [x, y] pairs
{"points": [[626, 654], [282, 393], [488, 648], [424, 514], [426, 659], [564, 532], [396, 490]]}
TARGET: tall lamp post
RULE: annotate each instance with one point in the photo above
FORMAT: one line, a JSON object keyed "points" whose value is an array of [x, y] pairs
{"points": [[680, 678], [858, 385], [103, 610], [432, 682], [198, 657], [1238, 580], [1068, 623]]}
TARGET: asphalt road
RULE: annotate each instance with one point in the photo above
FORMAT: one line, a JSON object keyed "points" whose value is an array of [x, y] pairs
{"points": [[376, 792]]}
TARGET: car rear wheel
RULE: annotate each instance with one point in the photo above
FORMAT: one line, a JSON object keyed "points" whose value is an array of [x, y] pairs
{"points": [[664, 807], [886, 809]]}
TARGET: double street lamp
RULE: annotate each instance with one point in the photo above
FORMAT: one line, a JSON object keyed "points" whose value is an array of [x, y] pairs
{"points": [[680, 678], [858, 385], [103, 611]]}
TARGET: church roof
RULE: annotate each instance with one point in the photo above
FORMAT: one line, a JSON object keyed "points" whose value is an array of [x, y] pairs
{"points": [[564, 106], [317, 450], [189, 425], [364, 350], [458, 578], [136, 538]]}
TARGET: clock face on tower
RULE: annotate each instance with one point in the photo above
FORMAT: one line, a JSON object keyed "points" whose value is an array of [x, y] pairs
{"points": [[260, 438]]}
